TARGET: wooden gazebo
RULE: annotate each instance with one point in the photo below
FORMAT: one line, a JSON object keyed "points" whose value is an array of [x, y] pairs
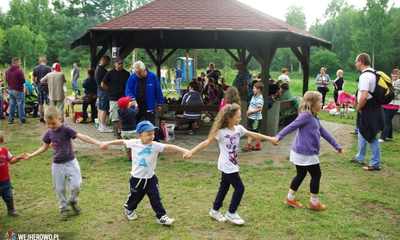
{"points": [[163, 26]]}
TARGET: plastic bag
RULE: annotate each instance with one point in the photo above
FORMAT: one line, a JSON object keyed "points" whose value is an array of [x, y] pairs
{"points": [[168, 131]]}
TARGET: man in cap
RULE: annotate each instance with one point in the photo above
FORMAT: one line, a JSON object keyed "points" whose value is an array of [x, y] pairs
{"points": [[55, 82], [114, 82]]}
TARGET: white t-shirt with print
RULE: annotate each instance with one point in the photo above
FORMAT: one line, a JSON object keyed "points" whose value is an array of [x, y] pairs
{"points": [[229, 146], [144, 157]]}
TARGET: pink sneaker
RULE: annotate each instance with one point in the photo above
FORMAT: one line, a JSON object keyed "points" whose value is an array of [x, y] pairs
{"points": [[190, 132]]}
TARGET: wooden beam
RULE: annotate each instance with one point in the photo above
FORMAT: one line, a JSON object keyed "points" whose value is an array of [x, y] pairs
{"points": [[151, 56], [232, 55]]}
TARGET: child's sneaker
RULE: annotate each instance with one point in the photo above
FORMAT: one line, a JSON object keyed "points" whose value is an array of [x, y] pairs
{"points": [[165, 220], [131, 214], [234, 218], [292, 203], [75, 206], [318, 207], [64, 215], [106, 130], [217, 215], [195, 126], [190, 132]]}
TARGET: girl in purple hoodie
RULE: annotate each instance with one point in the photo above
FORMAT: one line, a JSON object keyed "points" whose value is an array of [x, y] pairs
{"points": [[305, 148]]}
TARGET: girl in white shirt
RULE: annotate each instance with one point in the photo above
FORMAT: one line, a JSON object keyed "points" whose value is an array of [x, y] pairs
{"points": [[227, 131]]}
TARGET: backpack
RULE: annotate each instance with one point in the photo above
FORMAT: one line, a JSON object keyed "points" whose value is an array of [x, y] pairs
{"points": [[384, 90]]}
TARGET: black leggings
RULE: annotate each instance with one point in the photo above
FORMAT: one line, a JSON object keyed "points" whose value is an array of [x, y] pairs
{"points": [[315, 172]]}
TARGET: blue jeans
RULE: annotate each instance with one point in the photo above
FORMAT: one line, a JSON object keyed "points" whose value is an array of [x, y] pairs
{"points": [[6, 191], [16, 98], [74, 84], [178, 85], [375, 151], [164, 83], [227, 180], [388, 128], [1, 108]]}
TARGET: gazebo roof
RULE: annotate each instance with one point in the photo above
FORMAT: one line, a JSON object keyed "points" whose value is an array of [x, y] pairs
{"points": [[201, 17]]}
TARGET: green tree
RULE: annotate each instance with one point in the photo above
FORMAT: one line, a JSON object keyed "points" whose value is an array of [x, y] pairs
{"points": [[324, 58]]}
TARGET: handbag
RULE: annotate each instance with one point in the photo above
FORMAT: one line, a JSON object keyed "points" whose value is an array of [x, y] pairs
{"points": [[87, 98]]}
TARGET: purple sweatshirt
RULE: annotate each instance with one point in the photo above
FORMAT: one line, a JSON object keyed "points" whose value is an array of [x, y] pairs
{"points": [[307, 139], [15, 78]]}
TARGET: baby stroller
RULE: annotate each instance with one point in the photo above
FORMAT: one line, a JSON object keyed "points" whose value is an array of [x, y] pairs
{"points": [[31, 100], [346, 99]]}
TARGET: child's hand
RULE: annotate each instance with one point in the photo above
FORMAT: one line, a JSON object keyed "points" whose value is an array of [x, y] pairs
{"points": [[187, 155], [103, 145], [21, 156], [25, 155], [341, 153], [275, 141], [247, 113]]}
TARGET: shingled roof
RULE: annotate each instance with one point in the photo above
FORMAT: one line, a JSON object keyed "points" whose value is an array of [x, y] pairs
{"points": [[201, 15]]}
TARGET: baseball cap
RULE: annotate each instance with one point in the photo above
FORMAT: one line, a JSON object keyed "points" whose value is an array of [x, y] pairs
{"points": [[57, 67], [118, 59], [123, 102], [144, 126]]}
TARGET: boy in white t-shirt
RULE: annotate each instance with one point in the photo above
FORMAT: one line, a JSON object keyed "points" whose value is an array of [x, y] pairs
{"points": [[143, 178]]}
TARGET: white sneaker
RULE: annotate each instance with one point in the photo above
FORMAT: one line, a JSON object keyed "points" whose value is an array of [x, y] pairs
{"points": [[381, 140], [217, 215], [131, 214], [337, 113], [165, 220], [234, 218], [106, 130]]}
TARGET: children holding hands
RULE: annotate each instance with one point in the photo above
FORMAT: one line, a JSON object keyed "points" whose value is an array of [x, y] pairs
{"points": [[5, 183], [65, 165], [227, 131], [305, 148], [143, 178]]}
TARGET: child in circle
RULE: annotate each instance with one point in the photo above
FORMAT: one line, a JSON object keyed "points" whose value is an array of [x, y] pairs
{"points": [[305, 148], [227, 131]]}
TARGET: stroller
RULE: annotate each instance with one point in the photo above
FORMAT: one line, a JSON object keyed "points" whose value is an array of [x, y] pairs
{"points": [[31, 100], [346, 99]]}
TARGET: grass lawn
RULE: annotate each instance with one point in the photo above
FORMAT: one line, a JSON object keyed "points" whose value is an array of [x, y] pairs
{"points": [[360, 205]]}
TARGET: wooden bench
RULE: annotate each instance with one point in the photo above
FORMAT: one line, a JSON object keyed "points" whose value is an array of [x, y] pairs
{"points": [[168, 111], [275, 117]]}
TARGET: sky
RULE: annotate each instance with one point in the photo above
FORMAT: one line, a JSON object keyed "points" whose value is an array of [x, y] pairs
{"points": [[313, 9]]}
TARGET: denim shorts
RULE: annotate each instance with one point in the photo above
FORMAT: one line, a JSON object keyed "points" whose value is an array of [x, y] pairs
{"points": [[104, 101]]}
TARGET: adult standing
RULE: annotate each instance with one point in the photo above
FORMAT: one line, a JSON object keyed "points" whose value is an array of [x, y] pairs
{"points": [[284, 77], [90, 86], [75, 76], [144, 87], [369, 115], [114, 82], [102, 95], [338, 86], [241, 82], [322, 80], [390, 111], [16, 79], [55, 81], [39, 72], [213, 72], [178, 77], [163, 72]]}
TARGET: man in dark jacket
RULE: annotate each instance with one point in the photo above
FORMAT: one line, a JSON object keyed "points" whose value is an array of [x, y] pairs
{"points": [[369, 116], [16, 79]]}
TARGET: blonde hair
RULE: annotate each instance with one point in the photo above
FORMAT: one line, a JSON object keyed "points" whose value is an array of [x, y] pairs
{"points": [[51, 113], [340, 72], [232, 95], [222, 119], [310, 102], [1, 137]]}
